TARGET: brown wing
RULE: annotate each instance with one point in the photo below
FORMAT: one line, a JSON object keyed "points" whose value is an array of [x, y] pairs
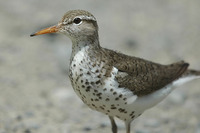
{"points": [[144, 77]]}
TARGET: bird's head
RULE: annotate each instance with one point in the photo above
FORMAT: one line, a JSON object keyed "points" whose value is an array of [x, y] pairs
{"points": [[76, 24]]}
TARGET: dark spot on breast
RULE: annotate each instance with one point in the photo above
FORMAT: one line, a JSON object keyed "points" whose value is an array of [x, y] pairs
{"points": [[114, 93], [101, 107], [99, 76], [96, 99], [92, 83], [88, 87], [121, 110], [97, 82], [87, 90], [120, 96], [124, 99], [99, 94], [116, 98], [133, 117], [132, 113], [107, 99], [117, 116], [113, 108]]}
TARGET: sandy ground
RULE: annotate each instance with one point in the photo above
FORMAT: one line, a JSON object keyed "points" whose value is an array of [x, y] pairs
{"points": [[35, 93]]}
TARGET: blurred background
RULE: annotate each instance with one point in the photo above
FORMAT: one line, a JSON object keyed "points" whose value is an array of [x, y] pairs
{"points": [[35, 93]]}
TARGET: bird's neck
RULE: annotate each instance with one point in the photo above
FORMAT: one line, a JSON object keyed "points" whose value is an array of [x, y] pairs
{"points": [[80, 43]]}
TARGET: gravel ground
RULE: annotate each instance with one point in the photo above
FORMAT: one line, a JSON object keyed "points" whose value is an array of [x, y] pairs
{"points": [[35, 93]]}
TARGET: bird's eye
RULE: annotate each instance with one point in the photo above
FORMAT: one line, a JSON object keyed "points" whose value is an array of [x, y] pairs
{"points": [[77, 20]]}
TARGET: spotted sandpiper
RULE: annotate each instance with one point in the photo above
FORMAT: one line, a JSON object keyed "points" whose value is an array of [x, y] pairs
{"points": [[113, 83]]}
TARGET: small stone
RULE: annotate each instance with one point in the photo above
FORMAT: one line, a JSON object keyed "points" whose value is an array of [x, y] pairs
{"points": [[87, 129], [103, 125], [19, 117], [27, 131]]}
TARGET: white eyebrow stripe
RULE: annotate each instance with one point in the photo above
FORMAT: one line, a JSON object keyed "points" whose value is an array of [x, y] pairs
{"points": [[86, 17], [81, 17]]}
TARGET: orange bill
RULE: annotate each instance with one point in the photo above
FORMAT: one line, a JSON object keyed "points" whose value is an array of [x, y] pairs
{"points": [[52, 29]]}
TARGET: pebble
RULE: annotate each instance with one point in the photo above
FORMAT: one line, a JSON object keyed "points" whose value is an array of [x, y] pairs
{"points": [[19, 117], [87, 129], [27, 131], [103, 125]]}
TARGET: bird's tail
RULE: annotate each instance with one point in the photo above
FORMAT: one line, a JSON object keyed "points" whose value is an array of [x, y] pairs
{"points": [[187, 76], [191, 72]]}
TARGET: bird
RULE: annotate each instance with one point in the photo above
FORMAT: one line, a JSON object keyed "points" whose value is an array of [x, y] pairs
{"points": [[110, 82]]}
